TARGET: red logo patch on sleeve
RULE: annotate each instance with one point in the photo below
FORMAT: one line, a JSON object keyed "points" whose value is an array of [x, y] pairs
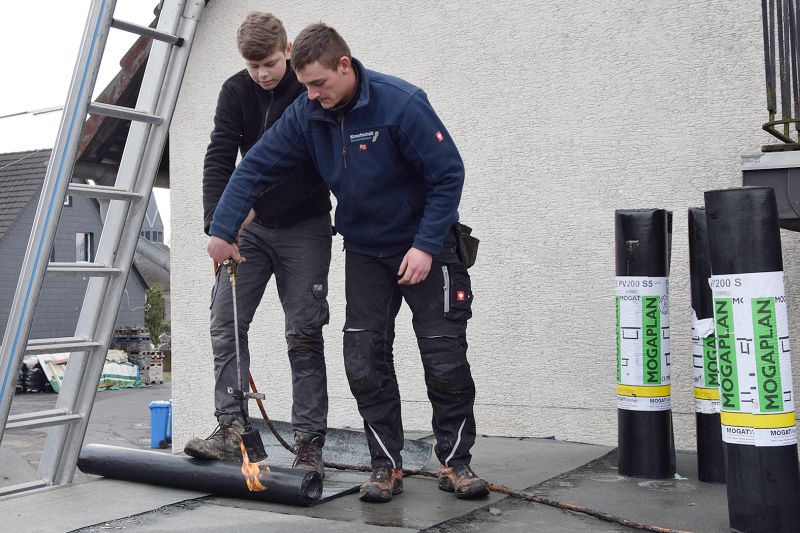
{"points": [[460, 296], [439, 136], [362, 147]]}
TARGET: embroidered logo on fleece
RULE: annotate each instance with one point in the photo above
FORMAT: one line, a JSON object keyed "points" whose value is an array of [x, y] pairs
{"points": [[364, 136]]}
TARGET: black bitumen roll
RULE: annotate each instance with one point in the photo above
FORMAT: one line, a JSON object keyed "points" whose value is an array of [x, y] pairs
{"points": [[763, 482], [642, 242], [710, 453], [699, 264], [284, 485], [645, 439]]}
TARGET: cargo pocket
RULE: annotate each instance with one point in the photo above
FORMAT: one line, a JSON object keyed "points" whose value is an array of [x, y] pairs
{"points": [[319, 290], [457, 292]]}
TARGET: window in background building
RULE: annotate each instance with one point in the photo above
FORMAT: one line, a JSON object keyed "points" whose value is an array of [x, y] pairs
{"points": [[84, 247], [147, 235]]}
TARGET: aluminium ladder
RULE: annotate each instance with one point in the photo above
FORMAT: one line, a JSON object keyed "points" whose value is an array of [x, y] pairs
{"points": [[127, 206]]}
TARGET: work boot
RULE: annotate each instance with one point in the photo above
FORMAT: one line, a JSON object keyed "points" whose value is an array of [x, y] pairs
{"points": [[463, 481], [384, 483], [222, 445], [308, 448]]}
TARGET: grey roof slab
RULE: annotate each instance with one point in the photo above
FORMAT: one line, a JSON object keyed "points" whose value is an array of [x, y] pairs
{"points": [[516, 463], [420, 505], [521, 462], [684, 504], [516, 516], [200, 518], [64, 509]]}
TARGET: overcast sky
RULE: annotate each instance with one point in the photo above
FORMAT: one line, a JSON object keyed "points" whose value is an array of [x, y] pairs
{"points": [[39, 40]]}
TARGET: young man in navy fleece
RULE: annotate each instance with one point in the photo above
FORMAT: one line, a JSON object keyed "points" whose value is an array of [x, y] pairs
{"points": [[397, 177]]}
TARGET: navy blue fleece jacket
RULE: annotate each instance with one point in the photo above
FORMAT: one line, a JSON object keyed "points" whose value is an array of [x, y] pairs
{"points": [[395, 171]]}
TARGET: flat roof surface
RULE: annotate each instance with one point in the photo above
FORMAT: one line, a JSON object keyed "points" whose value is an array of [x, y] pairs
{"points": [[575, 473]]}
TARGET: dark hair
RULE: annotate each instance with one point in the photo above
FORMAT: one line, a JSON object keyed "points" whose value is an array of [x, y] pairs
{"points": [[260, 35], [319, 42]]}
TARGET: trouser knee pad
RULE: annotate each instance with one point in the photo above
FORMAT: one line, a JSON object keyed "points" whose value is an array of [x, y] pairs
{"points": [[446, 366]]}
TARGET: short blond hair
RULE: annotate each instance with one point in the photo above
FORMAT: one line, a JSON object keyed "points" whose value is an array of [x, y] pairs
{"points": [[260, 35]]}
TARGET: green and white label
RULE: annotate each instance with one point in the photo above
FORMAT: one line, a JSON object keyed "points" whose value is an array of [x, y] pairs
{"points": [[754, 357], [706, 368], [643, 355]]}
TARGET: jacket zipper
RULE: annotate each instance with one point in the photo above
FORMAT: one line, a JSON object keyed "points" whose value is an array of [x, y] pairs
{"points": [[266, 115], [344, 144]]}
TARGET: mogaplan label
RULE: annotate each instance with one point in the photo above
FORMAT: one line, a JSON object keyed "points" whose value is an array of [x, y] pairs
{"points": [[711, 373], [768, 371], [728, 376], [651, 340], [619, 347]]}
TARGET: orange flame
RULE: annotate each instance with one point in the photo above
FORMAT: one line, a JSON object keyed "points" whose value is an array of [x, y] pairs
{"points": [[252, 472]]}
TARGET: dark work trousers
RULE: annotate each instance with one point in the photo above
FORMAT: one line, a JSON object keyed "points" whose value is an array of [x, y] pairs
{"points": [[440, 306], [299, 257]]}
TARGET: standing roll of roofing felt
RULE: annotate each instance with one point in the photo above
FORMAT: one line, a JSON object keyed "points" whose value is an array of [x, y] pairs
{"points": [[644, 409], [293, 486], [758, 420], [710, 458]]}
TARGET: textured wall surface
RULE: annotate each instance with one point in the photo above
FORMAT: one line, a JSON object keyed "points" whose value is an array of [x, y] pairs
{"points": [[563, 113]]}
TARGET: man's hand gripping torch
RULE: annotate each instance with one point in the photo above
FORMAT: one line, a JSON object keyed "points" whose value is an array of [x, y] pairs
{"points": [[250, 437]]}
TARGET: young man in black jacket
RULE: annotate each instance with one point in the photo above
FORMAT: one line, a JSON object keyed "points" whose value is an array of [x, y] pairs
{"points": [[287, 233]]}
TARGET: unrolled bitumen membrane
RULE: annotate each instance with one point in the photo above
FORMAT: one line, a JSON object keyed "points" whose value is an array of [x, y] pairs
{"points": [[283, 485]]}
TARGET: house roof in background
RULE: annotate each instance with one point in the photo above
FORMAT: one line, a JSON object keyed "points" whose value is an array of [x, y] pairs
{"points": [[21, 177], [103, 138]]}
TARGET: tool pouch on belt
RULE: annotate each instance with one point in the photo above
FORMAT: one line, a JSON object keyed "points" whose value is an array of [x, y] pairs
{"points": [[458, 292], [458, 253], [466, 244]]}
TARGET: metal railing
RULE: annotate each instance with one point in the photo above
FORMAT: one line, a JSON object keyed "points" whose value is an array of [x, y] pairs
{"points": [[781, 23]]}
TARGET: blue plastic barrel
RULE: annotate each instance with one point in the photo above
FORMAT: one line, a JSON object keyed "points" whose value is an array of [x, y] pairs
{"points": [[160, 424]]}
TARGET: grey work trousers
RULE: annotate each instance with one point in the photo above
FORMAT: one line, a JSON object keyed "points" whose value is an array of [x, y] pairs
{"points": [[299, 257]]}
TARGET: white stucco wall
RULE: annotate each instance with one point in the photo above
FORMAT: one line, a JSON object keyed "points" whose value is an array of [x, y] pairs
{"points": [[563, 112]]}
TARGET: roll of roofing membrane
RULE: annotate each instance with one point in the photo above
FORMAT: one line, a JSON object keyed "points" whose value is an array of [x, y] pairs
{"points": [[291, 486], [644, 413], [710, 453], [757, 405]]}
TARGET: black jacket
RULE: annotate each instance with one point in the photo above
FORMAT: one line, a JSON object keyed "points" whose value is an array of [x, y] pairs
{"points": [[244, 112]]}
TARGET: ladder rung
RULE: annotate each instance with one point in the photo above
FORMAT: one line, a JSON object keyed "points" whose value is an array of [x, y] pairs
{"points": [[146, 31], [59, 344], [22, 487], [97, 108], [41, 419], [84, 269], [102, 192]]}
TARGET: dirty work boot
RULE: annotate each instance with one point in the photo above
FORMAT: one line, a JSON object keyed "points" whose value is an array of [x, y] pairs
{"points": [[463, 481], [384, 483], [309, 452], [222, 445]]}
